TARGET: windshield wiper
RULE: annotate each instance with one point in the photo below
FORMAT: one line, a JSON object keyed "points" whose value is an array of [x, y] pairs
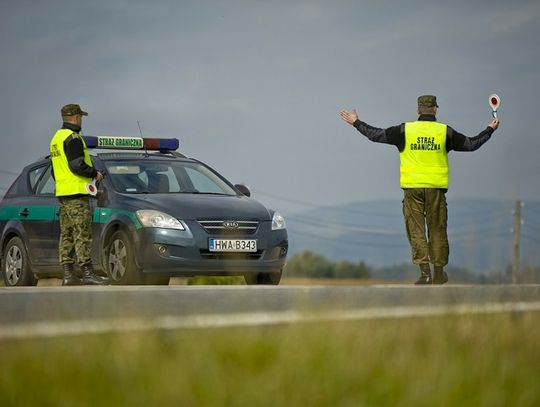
{"points": [[205, 193]]}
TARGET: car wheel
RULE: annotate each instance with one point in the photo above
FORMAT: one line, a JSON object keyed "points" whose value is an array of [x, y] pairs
{"points": [[120, 260], [263, 278], [15, 267]]}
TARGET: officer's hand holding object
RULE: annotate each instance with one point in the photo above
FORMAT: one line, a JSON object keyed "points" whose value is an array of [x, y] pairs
{"points": [[494, 124]]}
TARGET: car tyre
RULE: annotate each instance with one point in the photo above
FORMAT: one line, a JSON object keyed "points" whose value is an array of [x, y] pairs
{"points": [[120, 257], [15, 265], [263, 278]]}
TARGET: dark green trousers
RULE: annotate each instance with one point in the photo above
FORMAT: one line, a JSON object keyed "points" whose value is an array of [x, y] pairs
{"points": [[425, 208]]}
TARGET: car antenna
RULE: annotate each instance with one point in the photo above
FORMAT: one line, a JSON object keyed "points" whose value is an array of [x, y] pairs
{"points": [[140, 131]]}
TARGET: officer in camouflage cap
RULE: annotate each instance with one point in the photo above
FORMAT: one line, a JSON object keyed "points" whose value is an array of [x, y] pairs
{"points": [[72, 110], [73, 171], [423, 151], [427, 101]]}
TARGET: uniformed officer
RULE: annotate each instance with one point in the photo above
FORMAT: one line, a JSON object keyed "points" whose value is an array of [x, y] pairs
{"points": [[423, 146], [73, 171]]}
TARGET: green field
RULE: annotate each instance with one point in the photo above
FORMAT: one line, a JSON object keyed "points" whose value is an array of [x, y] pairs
{"points": [[488, 360]]}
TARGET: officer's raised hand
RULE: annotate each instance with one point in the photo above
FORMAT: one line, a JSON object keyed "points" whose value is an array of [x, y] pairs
{"points": [[99, 176], [349, 117], [494, 124]]}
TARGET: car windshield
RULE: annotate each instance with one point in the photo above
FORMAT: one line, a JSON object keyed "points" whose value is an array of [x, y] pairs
{"points": [[163, 177]]}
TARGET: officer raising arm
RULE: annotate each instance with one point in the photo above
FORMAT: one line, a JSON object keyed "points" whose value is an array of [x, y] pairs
{"points": [[350, 117], [73, 170], [423, 147]]}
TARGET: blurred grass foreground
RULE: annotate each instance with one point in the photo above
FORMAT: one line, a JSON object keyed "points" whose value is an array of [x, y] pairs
{"points": [[488, 360]]}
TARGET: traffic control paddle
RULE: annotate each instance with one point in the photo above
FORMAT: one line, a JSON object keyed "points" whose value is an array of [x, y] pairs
{"points": [[91, 188], [494, 102]]}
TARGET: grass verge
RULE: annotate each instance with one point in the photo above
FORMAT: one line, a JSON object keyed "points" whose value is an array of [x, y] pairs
{"points": [[491, 360]]}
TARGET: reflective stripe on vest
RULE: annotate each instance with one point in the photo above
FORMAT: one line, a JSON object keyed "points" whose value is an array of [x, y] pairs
{"points": [[67, 183], [424, 160]]}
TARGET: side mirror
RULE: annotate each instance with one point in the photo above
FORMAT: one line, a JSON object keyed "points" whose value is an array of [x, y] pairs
{"points": [[243, 189], [99, 185], [101, 191]]}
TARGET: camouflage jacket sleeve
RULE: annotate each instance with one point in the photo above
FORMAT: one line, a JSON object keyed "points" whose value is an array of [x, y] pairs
{"points": [[73, 147], [394, 135]]}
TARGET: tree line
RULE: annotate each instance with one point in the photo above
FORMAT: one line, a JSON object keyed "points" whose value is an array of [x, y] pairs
{"points": [[308, 264], [313, 265]]}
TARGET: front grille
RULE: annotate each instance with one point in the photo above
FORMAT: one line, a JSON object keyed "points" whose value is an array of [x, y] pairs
{"points": [[208, 255], [217, 227]]}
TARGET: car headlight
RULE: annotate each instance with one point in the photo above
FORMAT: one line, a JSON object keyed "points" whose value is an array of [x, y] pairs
{"points": [[278, 221], [157, 219]]}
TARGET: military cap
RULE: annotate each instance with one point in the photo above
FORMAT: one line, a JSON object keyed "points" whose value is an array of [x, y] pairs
{"points": [[72, 109], [427, 101]]}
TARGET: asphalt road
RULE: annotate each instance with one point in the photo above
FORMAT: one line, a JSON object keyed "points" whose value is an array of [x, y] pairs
{"points": [[49, 311]]}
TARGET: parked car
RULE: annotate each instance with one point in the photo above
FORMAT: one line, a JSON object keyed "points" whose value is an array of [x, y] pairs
{"points": [[157, 214]]}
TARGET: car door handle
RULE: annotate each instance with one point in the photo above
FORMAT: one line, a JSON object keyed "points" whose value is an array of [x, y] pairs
{"points": [[25, 212]]}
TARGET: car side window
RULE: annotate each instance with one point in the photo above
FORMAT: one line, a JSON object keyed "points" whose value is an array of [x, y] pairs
{"points": [[35, 175], [46, 185]]}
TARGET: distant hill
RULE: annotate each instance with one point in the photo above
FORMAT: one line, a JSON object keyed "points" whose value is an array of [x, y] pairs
{"points": [[480, 233]]}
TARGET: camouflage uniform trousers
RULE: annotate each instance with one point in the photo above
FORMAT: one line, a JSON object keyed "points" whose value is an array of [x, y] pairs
{"points": [[75, 230], [427, 207]]}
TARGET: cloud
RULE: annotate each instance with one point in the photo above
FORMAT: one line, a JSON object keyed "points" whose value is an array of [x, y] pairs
{"points": [[512, 17]]}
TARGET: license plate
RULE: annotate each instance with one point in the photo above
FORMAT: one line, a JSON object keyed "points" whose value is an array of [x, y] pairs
{"points": [[232, 245]]}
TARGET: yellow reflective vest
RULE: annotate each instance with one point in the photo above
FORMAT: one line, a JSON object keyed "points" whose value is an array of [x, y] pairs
{"points": [[67, 183], [424, 160]]}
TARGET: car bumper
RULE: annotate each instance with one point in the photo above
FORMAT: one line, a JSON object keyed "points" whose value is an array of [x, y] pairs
{"points": [[182, 253]]}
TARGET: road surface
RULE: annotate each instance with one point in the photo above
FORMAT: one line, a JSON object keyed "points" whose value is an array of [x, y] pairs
{"points": [[52, 311]]}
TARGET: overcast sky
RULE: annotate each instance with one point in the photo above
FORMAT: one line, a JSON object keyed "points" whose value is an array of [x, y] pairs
{"points": [[254, 88]]}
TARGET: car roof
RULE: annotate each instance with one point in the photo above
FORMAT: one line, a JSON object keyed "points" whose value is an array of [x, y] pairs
{"points": [[126, 155]]}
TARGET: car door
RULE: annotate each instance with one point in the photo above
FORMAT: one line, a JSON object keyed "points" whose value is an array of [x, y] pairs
{"points": [[39, 216], [98, 203]]}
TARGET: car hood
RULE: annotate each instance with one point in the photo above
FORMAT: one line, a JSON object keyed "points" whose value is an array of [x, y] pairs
{"points": [[195, 206]]}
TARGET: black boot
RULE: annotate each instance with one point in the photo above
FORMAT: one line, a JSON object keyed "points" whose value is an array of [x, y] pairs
{"points": [[69, 275], [425, 275], [91, 278], [439, 275]]}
